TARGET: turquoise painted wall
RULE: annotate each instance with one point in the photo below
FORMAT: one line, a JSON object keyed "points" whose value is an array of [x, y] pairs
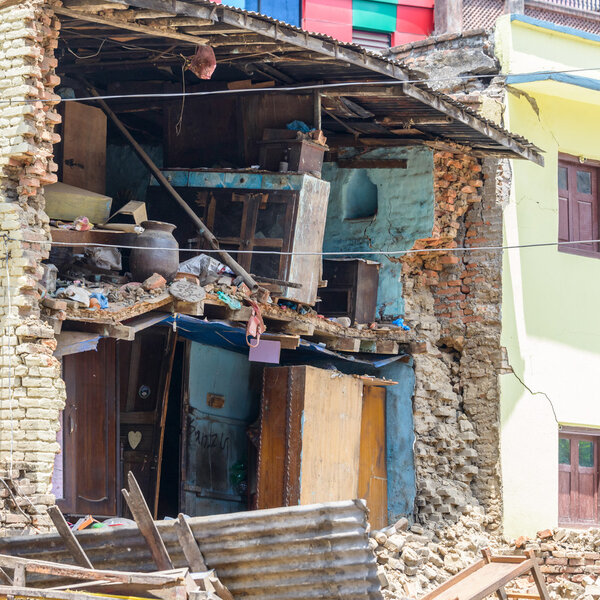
{"points": [[400, 438], [404, 213]]}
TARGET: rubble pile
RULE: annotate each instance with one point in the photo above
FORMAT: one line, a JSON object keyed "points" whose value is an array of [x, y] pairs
{"points": [[415, 560]]}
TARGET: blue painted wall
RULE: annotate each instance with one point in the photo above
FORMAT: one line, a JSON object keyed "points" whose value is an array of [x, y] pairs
{"points": [[283, 10], [125, 171], [404, 213], [400, 439]]}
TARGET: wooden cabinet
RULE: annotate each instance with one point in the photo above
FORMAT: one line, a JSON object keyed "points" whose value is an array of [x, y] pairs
{"points": [[351, 289], [249, 211], [322, 439]]}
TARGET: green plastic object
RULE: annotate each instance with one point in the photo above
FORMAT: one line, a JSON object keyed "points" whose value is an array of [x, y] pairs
{"points": [[374, 15]]}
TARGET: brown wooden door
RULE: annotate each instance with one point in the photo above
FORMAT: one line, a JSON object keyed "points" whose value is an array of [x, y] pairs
{"points": [[578, 479], [372, 472], [90, 432]]}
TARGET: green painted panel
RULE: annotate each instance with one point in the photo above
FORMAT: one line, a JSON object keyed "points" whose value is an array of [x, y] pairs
{"points": [[374, 15]]}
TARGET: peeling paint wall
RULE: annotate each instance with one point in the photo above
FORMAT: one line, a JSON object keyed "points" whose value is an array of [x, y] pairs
{"points": [[404, 213]]}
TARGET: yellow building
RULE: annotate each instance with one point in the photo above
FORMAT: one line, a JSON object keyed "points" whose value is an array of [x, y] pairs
{"points": [[550, 402]]}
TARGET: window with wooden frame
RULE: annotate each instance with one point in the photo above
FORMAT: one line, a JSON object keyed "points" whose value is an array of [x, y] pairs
{"points": [[578, 454], [578, 205]]}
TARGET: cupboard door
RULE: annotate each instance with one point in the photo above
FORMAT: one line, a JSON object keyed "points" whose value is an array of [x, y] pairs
{"points": [[372, 472], [90, 432]]}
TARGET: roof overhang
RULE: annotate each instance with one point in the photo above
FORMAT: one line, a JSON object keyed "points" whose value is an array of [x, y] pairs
{"points": [[562, 85], [371, 101]]}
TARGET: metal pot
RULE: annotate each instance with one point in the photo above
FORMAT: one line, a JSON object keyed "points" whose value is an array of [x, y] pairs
{"points": [[158, 258]]}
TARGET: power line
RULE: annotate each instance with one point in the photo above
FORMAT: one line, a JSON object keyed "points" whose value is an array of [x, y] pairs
{"points": [[463, 249], [298, 88]]}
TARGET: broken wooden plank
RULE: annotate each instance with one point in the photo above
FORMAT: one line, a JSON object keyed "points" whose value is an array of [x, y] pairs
{"points": [[126, 25], [65, 532], [75, 572], [190, 547], [194, 309], [288, 342], [344, 344], [141, 513]]}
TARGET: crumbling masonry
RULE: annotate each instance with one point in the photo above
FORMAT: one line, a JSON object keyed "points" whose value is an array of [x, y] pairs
{"points": [[31, 390]]}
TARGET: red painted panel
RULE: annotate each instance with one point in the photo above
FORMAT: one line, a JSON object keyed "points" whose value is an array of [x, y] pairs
{"points": [[331, 17], [399, 38], [421, 3], [414, 19]]}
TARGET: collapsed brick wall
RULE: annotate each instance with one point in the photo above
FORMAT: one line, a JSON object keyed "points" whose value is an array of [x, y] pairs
{"points": [[31, 390], [453, 302]]}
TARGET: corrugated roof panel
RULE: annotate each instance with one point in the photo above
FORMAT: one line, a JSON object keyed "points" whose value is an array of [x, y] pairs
{"points": [[293, 553]]}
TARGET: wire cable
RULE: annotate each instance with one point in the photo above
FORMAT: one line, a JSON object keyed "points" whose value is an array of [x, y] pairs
{"points": [[298, 88], [464, 249]]}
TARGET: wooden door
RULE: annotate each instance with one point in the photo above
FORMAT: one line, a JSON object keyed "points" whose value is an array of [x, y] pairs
{"points": [[84, 147], [90, 424], [144, 366], [578, 479], [372, 472]]}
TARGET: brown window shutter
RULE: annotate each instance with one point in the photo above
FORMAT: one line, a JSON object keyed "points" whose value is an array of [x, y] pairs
{"points": [[563, 218]]}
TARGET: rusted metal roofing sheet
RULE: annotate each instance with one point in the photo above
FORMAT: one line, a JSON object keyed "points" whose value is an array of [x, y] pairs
{"points": [[293, 553], [294, 57]]}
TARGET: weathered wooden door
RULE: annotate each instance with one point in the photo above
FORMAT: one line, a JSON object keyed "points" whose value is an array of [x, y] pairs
{"points": [[372, 472], [90, 438], [578, 479]]}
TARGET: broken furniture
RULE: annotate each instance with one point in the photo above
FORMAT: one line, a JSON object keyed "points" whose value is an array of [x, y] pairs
{"points": [[66, 203], [292, 553], [250, 210], [489, 576], [283, 145], [308, 414], [351, 289]]}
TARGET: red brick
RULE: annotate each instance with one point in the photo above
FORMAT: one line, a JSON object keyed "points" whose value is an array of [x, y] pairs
{"points": [[546, 533], [154, 282], [449, 260], [471, 319], [557, 561], [573, 569]]}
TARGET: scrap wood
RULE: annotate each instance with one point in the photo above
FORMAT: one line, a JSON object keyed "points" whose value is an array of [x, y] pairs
{"points": [[69, 538], [29, 565], [141, 513], [489, 576]]}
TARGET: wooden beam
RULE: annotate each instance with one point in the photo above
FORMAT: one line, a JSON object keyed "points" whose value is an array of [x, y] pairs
{"points": [[136, 27], [66, 533], [141, 513], [190, 547], [74, 572], [94, 5]]}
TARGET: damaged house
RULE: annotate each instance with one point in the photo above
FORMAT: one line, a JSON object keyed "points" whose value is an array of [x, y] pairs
{"points": [[206, 216]]}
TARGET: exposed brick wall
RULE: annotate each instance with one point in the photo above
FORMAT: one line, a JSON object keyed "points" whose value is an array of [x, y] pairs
{"points": [[31, 391], [453, 302]]}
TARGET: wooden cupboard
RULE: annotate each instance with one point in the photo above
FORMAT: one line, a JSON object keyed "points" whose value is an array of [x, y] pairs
{"points": [[322, 439]]}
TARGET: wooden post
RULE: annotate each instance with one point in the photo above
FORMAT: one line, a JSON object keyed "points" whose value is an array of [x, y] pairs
{"points": [[141, 513], [19, 576], [188, 544], [514, 7], [448, 16], [538, 576], [69, 538], [317, 110], [206, 233]]}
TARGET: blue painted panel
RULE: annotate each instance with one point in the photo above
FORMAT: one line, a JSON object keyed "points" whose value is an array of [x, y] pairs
{"points": [[233, 180], [400, 439], [216, 437], [404, 214], [283, 10]]}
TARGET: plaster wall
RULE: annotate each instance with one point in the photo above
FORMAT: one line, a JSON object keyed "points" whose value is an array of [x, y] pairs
{"points": [[404, 214], [550, 326]]}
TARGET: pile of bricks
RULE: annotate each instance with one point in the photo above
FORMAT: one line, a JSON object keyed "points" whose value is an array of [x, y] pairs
{"points": [[31, 390]]}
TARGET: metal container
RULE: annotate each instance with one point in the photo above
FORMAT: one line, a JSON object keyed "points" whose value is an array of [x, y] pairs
{"points": [[158, 252]]}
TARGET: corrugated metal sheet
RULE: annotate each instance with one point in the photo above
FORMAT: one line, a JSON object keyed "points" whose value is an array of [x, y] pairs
{"points": [[318, 551]]}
